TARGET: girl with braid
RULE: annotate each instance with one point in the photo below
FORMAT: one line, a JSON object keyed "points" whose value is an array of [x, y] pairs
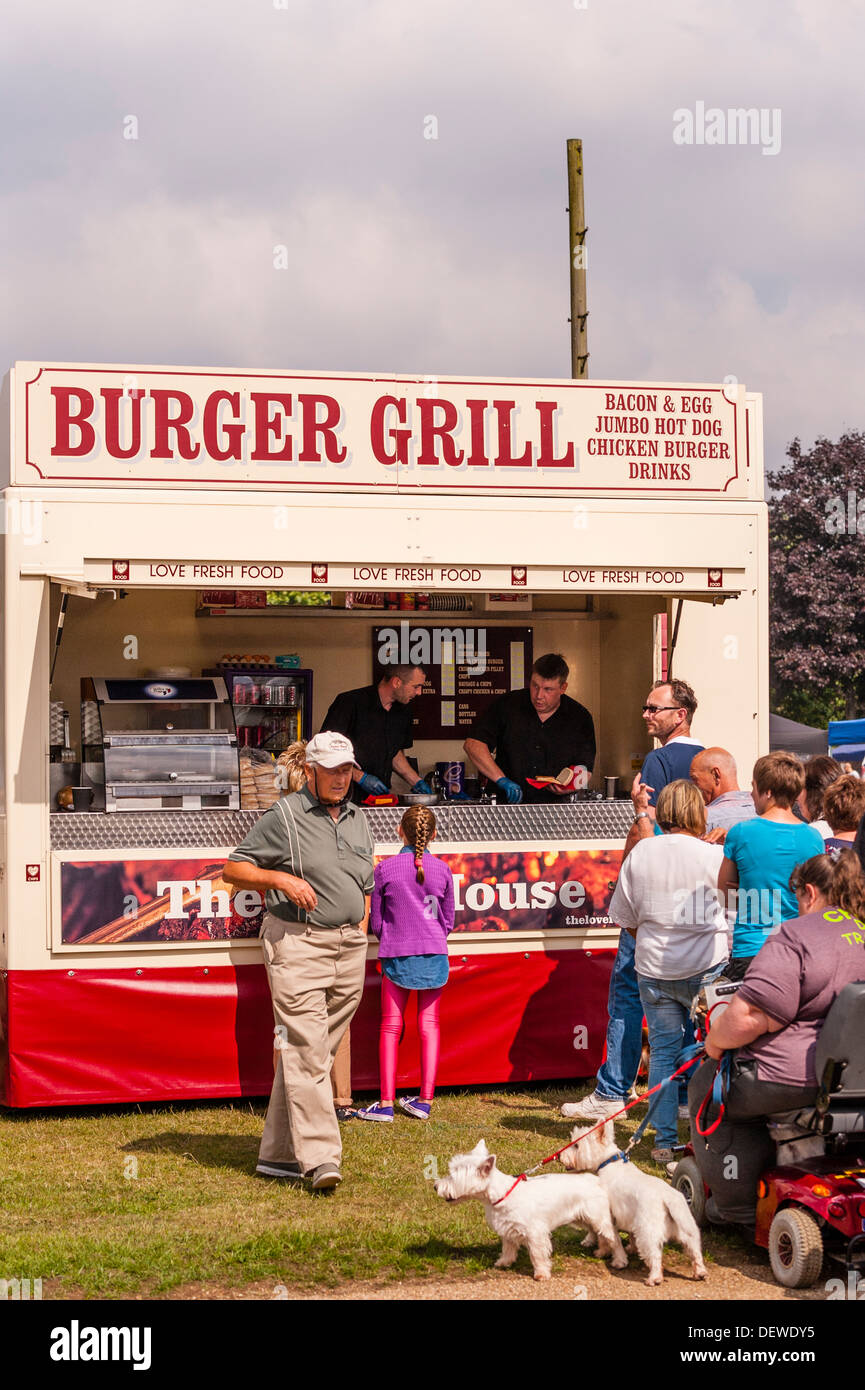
{"points": [[412, 912]]}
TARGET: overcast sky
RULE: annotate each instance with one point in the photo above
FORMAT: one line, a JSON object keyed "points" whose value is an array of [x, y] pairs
{"points": [[301, 123]]}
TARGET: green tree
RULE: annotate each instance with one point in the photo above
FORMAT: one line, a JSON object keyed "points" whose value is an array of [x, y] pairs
{"points": [[817, 581]]}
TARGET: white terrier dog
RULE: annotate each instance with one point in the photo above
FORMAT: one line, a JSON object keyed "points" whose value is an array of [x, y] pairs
{"points": [[534, 1209], [650, 1211]]}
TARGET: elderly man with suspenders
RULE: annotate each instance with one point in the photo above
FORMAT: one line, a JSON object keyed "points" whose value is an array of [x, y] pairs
{"points": [[312, 854]]}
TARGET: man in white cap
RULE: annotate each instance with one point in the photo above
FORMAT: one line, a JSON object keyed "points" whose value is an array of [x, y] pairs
{"points": [[312, 854]]}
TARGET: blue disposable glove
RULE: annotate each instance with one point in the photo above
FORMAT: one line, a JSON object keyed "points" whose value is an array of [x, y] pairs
{"points": [[373, 786], [422, 788], [512, 790]]}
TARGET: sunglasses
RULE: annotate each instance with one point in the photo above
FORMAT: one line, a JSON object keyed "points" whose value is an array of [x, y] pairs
{"points": [[656, 709]]}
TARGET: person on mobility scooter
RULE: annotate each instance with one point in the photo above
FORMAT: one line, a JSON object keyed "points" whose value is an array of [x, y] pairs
{"points": [[775, 1092]]}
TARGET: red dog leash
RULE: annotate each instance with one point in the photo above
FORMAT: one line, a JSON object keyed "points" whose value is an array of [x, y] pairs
{"points": [[624, 1110]]}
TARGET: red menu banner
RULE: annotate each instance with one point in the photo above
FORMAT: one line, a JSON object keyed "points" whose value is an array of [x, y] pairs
{"points": [[121, 902]]}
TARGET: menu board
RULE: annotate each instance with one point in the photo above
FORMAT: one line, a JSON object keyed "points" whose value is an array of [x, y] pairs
{"points": [[465, 668]]}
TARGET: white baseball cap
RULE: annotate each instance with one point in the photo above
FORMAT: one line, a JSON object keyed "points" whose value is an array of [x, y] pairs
{"points": [[330, 750]]}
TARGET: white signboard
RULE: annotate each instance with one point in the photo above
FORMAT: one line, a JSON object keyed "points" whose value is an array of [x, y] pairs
{"points": [[264, 574], [156, 427]]}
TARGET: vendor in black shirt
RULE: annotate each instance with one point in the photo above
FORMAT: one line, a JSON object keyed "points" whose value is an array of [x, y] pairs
{"points": [[378, 722], [533, 733]]}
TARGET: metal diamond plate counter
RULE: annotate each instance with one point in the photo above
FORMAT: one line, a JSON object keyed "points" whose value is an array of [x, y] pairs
{"points": [[593, 820]]}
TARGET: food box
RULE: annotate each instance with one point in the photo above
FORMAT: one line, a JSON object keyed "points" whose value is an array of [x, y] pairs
{"points": [[217, 598], [366, 598], [568, 780]]}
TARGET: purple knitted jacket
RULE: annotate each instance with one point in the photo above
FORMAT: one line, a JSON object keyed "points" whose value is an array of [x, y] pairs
{"points": [[411, 918]]}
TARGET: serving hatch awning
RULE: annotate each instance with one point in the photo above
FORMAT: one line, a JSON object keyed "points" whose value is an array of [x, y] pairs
{"points": [[103, 537]]}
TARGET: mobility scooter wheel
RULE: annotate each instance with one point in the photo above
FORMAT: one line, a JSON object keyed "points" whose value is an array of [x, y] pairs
{"points": [[688, 1181], [795, 1248]]}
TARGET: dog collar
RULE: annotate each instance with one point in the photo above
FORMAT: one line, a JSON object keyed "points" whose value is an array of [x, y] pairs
{"points": [[612, 1159]]}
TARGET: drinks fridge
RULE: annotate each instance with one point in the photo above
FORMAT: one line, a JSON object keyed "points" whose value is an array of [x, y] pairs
{"points": [[272, 708]]}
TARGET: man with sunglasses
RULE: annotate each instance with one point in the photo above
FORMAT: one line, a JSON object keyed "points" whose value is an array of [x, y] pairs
{"points": [[667, 714]]}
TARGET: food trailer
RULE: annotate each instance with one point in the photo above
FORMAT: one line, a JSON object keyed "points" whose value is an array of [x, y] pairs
{"points": [[195, 562]]}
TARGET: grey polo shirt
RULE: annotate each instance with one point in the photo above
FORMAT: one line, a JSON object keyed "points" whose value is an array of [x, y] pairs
{"points": [[299, 836], [728, 809]]}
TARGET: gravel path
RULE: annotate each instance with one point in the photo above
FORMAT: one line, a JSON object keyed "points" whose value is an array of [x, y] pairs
{"points": [[749, 1279]]}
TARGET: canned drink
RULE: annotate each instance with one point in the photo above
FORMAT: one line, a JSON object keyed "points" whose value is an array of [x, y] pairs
{"points": [[452, 776], [611, 787]]}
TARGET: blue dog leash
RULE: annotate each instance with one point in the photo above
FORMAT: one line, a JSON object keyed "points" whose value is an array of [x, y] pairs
{"points": [[626, 1158], [717, 1095], [690, 1054]]}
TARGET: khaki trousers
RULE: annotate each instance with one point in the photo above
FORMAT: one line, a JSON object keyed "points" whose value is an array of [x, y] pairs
{"points": [[316, 980]]}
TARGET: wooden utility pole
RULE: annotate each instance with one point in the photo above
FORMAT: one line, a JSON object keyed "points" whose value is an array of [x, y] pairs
{"points": [[578, 253]]}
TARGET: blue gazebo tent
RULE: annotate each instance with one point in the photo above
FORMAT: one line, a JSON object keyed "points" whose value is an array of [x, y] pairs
{"points": [[847, 740]]}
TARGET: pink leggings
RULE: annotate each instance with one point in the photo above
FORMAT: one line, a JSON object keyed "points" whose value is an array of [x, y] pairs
{"points": [[393, 1003]]}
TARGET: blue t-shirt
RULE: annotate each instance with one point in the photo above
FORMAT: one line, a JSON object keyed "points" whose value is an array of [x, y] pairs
{"points": [[668, 764], [765, 853]]}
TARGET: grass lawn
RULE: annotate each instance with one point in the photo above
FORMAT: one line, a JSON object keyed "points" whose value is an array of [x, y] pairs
{"points": [[121, 1202]]}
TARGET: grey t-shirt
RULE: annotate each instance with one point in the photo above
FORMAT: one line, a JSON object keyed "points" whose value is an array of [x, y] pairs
{"points": [[299, 836], [795, 979]]}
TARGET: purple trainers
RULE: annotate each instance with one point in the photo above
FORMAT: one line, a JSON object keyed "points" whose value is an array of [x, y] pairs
{"points": [[377, 1111], [413, 1105]]}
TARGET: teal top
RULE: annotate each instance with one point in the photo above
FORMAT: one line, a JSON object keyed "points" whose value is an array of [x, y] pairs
{"points": [[765, 853]]}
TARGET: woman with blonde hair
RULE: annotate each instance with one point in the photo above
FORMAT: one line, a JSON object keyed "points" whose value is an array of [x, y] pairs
{"points": [[291, 763], [667, 898], [411, 913]]}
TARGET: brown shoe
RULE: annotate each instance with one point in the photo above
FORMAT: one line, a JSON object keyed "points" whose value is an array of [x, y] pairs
{"points": [[325, 1176]]}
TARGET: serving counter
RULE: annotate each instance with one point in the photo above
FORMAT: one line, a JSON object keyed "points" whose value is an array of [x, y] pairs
{"points": [[591, 820], [150, 879]]}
